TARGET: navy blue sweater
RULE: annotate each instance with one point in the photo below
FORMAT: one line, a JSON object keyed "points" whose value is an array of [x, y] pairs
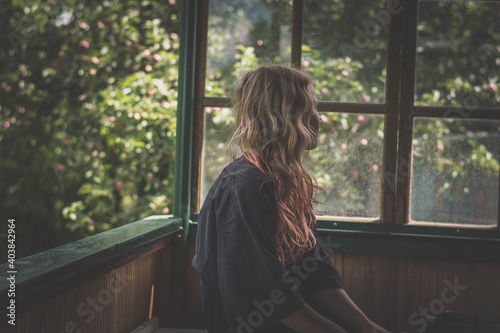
{"points": [[245, 288]]}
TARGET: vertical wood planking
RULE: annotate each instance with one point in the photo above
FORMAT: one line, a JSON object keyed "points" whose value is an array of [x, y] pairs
{"points": [[194, 311], [416, 298], [495, 291], [434, 283], [116, 301], [366, 280], [465, 298], [350, 277], [163, 280], [425, 285], [474, 296], [401, 294], [405, 286], [338, 262], [392, 293], [378, 300]]}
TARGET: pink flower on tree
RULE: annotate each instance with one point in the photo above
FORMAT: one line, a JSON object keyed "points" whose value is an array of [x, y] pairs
{"points": [[119, 185], [84, 44], [361, 120]]}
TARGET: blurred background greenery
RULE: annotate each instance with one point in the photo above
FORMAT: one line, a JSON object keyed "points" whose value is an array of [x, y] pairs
{"points": [[88, 101], [455, 170], [88, 95]]}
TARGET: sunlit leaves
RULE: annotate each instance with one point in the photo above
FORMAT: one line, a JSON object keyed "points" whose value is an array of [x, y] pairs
{"points": [[87, 114]]}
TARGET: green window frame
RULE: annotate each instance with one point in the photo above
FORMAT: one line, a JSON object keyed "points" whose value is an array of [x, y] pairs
{"points": [[399, 111]]}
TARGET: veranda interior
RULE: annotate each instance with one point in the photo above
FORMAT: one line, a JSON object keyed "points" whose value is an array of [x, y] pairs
{"points": [[411, 220]]}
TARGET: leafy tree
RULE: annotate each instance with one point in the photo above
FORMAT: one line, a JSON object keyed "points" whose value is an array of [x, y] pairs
{"points": [[88, 97], [344, 50], [88, 116]]}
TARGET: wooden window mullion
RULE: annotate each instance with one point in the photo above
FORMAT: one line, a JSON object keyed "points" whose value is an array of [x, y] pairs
{"points": [[365, 108], [408, 58], [455, 112], [389, 174], [297, 24], [199, 112]]}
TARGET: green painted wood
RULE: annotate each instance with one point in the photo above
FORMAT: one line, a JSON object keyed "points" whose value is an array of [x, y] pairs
{"points": [[183, 153], [397, 229], [390, 240], [48, 267], [185, 105], [413, 230], [411, 246]]}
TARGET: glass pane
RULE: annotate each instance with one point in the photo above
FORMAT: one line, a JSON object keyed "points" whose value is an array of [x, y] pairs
{"points": [[455, 171], [242, 34], [218, 131], [348, 163], [458, 53], [345, 48]]}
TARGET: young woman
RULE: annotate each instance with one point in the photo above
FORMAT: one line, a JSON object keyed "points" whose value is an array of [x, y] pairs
{"points": [[262, 268]]}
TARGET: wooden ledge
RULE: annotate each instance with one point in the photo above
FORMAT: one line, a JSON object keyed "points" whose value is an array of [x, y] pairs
{"points": [[43, 272]]}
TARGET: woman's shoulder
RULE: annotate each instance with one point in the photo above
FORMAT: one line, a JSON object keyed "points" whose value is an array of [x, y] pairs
{"points": [[242, 176], [243, 171]]}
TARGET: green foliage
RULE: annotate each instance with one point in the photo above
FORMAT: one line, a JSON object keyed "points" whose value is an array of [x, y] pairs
{"points": [[88, 98], [344, 50], [88, 116]]}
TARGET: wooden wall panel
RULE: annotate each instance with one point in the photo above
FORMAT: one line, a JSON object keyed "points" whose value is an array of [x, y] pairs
{"points": [[163, 286], [398, 292], [421, 287], [194, 313], [117, 301]]}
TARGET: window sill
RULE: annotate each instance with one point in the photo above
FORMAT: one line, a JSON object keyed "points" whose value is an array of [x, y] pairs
{"points": [[409, 240]]}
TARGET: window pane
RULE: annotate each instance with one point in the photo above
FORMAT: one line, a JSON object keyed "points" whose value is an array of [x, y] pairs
{"points": [[348, 163], [240, 35], [345, 48], [218, 131], [455, 171], [458, 53]]}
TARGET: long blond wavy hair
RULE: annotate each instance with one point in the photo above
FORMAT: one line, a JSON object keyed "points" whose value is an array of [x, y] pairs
{"points": [[274, 105]]}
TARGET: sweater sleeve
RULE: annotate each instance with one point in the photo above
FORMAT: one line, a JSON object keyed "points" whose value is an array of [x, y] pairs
{"points": [[255, 286], [315, 271]]}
